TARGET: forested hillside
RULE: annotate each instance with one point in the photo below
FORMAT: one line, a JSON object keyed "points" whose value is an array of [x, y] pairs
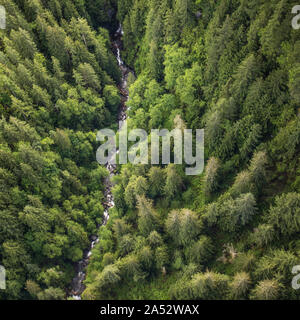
{"points": [[57, 89], [233, 68]]}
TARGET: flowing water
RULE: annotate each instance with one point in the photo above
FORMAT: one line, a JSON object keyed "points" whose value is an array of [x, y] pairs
{"points": [[77, 286]]}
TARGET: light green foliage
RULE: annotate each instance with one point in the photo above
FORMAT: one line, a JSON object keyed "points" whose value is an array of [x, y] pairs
{"points": [[51, 294], [51, 185], [129, 195], [201, 251], [211, 175], [209, 286], [232, 214], [161, 257], [245, 261], [176, 60], [85, 76], [174, 182], [233, 70], [242, 183], [276, 265], [183, 226], [263, 235], [266, 290], [155, 239], [156, 181], [109, 277], [148, 220], [240, 285], [285, 214]]}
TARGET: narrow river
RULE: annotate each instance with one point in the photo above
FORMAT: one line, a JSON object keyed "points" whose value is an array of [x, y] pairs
{"points": [[77, 286]]}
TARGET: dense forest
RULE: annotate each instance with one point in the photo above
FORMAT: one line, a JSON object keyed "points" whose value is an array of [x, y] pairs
{"points": [[231, 67], [57, 88]]}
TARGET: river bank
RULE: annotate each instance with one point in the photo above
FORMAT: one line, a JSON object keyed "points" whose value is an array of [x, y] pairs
{"points": [[77, 285]]}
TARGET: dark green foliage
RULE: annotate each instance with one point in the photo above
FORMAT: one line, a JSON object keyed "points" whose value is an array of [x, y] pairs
{"points": [[234, 70], [57, 88]]}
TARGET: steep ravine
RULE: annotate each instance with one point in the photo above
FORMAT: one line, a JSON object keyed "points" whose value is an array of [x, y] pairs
{"points": [[77, 286]]}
